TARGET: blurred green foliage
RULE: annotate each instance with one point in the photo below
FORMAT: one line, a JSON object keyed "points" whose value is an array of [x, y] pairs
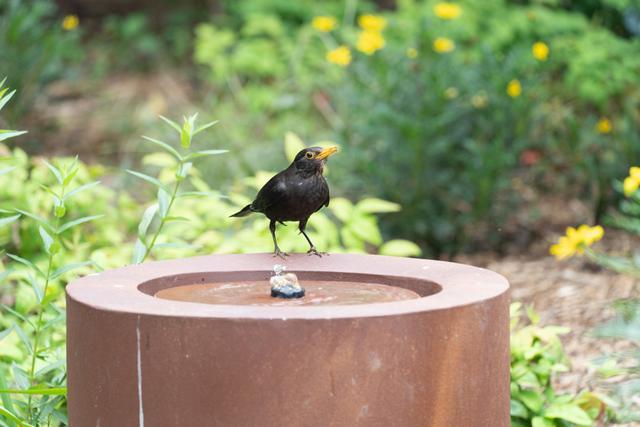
{"points": [[440, 133], [436, 133], [621, 369], [536, 357], [34, 48]]}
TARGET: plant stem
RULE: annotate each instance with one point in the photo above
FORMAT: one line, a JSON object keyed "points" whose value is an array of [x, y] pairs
{"points": [[37, 334], [163, 219], [41, 308]]}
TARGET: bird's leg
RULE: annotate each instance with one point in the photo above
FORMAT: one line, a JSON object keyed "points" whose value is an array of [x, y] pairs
{"points": [[312, 249], [276, 251]]}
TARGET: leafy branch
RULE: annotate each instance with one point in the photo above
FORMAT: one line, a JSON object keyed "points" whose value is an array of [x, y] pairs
{"points": [[168, 194], [50, 231]]}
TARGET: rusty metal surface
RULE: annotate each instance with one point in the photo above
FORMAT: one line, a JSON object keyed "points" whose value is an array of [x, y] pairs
{"points": [[440, 360]]}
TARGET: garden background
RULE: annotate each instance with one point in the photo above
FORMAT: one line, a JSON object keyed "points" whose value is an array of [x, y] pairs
{"points": [[473, 131]]}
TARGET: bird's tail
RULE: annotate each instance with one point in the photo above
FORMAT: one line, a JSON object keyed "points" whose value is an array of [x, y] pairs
{"points": [[243, 212]]}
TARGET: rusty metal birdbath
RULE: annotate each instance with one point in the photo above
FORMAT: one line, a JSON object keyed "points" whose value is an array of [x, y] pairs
{"points": [[374, 341]]}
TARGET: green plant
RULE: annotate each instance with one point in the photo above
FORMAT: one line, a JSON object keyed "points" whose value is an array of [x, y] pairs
{"points": [[34, 48], [620, 369], [166, 195], [164, 41], [536, 356], [38, 395], [440, 128]]}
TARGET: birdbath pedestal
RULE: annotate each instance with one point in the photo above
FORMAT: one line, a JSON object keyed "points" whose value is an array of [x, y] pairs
{"points": [[375, 341]]}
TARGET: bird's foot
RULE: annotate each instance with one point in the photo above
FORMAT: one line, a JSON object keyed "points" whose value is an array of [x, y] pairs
{"points": [[280, 254], [314, 251]]}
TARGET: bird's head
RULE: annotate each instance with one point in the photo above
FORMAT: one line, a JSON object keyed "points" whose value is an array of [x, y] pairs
{"points": [[311, 160]]}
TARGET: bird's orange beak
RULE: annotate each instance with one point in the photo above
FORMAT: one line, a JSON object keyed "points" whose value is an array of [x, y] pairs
{"points": [[327, 152]]}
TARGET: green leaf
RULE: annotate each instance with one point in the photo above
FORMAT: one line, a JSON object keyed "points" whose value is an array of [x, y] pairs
{"points": [[533, 316], [6, 399], [7, 170], [55, 171], [6, 98], [46, 239], [373, 205], [183, 171], [186, 132], [6, 333], [341, 208], [532, 399], [568, 412], [149, 179], [160, 159], [8, 220], [139, 252], [18, 315], [54, 391], [400, 247], [164, 199], [36, 288], [165, 146], [26, 262], [68, 225], [51, 367], [36, 218], [6, 134], [542, 422], [69, 177], [69, 267], [517, 409], [80, 189], [366, 229], [292, 145], [176, 219], [5, 412], [147, 217], [204, 153], [171, 123], [204, 127], [23, 337]]}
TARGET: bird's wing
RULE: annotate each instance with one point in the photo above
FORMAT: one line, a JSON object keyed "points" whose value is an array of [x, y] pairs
{"points": [[273, 192], [326, 203]]}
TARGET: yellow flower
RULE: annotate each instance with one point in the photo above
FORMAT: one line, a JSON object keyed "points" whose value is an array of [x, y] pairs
{"points": [[340, 56], [480, 99], [70, 22], [412, 52], [632, 182], [447, 11], [604, 125], [372, 23], [514, 88], [369, 42], [443, 45], [576, 240], [451, 92], [540, 51], [324, 24]]}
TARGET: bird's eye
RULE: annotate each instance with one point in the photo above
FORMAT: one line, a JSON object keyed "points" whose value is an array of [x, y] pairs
{"points": [[309, 155]]}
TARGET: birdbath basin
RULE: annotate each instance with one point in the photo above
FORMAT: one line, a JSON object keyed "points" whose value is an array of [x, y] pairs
{"points": [[374, 341]]}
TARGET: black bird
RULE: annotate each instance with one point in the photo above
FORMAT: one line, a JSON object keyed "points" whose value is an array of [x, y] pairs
{"points": [[294, 194]]}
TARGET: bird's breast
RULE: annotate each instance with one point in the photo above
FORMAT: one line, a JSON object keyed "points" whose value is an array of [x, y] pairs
{"points": [[303, 197]]}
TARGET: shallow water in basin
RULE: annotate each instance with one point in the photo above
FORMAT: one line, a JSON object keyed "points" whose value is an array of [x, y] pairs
{"points": [[316, 293]]}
